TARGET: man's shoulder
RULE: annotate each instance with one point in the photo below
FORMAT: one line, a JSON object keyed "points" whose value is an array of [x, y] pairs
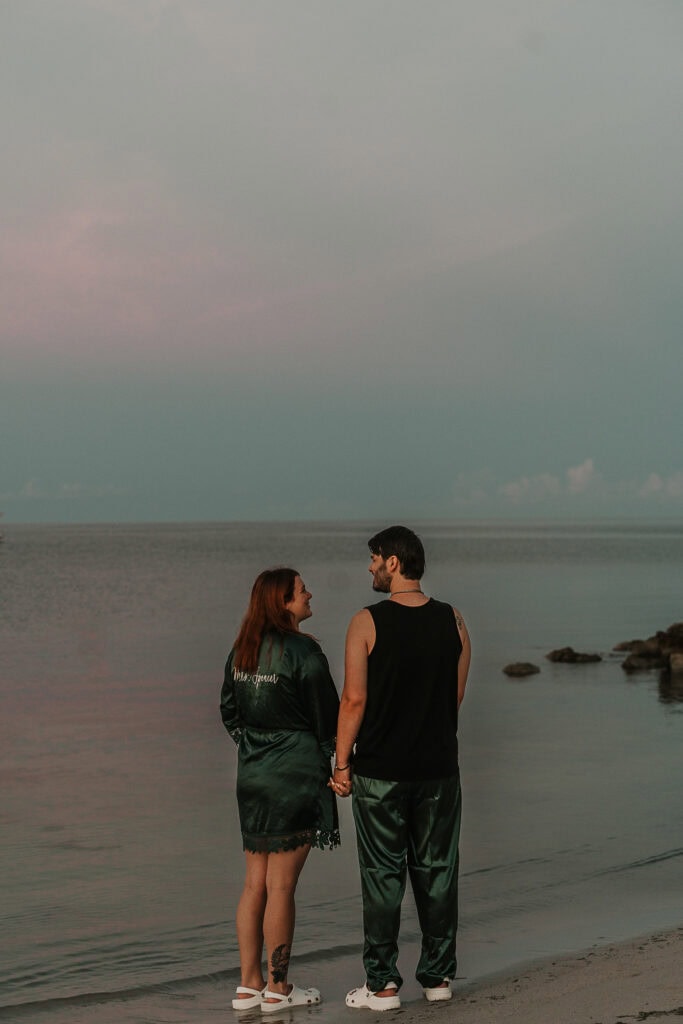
{"points": [[449, 614], [377, 604], [361, 618], [379, 611], [361, 625]]}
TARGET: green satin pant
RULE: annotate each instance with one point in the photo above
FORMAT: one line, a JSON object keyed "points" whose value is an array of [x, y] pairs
{"points": [[413, 826]]}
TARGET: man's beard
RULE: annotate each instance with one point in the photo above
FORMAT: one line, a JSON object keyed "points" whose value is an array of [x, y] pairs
{"points": [[381, 581]]}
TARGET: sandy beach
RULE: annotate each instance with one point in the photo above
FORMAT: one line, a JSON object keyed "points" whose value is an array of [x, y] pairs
{"points": [[634, 981]]}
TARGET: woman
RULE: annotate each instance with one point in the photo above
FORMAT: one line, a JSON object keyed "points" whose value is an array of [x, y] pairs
{"points": [[280, 705]]}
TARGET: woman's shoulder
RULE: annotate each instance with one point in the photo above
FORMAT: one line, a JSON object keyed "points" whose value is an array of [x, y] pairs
{"points": [[302, 644], [288, 651]]}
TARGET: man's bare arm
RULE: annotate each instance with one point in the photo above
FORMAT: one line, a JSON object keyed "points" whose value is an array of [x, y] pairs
{"points": [[465, 657], [359, 639]]}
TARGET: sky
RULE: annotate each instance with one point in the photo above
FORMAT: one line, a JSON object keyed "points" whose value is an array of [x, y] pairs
{"points": [[316, 260]]}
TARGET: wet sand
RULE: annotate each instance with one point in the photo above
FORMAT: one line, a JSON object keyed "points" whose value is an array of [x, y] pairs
{"points": [[638, 980], [616, 984]]}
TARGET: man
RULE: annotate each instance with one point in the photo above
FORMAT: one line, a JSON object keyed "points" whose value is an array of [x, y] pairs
{"points": [[407, 660]]}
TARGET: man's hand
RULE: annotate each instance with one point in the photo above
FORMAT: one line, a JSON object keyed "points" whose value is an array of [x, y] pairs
{"points": [[342, 781]]}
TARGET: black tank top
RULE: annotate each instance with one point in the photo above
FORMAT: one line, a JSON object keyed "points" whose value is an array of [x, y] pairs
{"points": [[410, 727]]}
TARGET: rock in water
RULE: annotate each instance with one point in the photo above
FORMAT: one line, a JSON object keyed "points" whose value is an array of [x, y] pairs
{"points": [[568, 656], [518, 669], [660, 651]]}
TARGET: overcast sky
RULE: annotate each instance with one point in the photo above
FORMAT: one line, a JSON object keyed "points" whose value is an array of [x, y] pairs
{"points": [[325, 260]]}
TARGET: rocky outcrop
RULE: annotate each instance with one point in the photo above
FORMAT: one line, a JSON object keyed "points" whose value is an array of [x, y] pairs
{"points": [[519, 669], [661, 651], [568, 656], [676, 663], [643, 660], [671, 639]]}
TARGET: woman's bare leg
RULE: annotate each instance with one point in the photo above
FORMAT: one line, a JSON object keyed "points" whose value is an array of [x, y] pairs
{"points": [[278, 921], [250, 911]]}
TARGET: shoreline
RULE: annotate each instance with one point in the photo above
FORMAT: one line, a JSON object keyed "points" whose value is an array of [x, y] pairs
{"points": [[617, 983], [613, 984]]}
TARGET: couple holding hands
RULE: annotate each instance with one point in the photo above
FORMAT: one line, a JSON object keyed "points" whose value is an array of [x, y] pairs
{"points": [[393, 737]]}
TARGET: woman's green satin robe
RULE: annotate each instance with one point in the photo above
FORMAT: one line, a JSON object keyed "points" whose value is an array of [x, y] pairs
{"points": [[283, 717]]}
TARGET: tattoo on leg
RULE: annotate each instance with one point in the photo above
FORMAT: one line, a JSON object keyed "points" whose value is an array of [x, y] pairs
{"points": [[279, 962]]}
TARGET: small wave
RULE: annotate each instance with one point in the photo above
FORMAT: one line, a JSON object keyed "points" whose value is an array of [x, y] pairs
{"points": [[513, 865], [175, 986], [71, 846], [645, 862], [484, 903], [12, 1011]]}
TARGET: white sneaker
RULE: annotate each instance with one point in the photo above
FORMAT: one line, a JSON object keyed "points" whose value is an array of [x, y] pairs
{"points": [[360, 998], [439, 993]]}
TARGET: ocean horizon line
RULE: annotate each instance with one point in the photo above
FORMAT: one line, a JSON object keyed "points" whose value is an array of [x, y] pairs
{"points": [[483, 522]]}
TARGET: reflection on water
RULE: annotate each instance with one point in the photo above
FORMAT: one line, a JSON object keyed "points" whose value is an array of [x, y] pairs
{"points": [[671, 688]]}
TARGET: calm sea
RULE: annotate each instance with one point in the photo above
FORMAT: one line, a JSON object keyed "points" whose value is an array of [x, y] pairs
{"points": [[121, 860]]}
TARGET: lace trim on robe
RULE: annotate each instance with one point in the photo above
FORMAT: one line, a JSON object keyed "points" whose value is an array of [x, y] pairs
{"points": [[318, 838]]}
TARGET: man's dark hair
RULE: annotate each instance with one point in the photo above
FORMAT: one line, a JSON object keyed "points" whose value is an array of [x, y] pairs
{"points": [[406, 545]]}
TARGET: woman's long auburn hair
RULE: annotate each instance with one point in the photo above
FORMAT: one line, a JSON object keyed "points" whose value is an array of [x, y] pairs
{"points": [[272, 589]]}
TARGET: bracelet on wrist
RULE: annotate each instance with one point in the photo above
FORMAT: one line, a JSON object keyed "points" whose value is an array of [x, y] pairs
{"points": [[341, 767]]}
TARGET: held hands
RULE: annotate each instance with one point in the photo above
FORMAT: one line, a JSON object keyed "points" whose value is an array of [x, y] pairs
{"points": [[341, 780]]}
